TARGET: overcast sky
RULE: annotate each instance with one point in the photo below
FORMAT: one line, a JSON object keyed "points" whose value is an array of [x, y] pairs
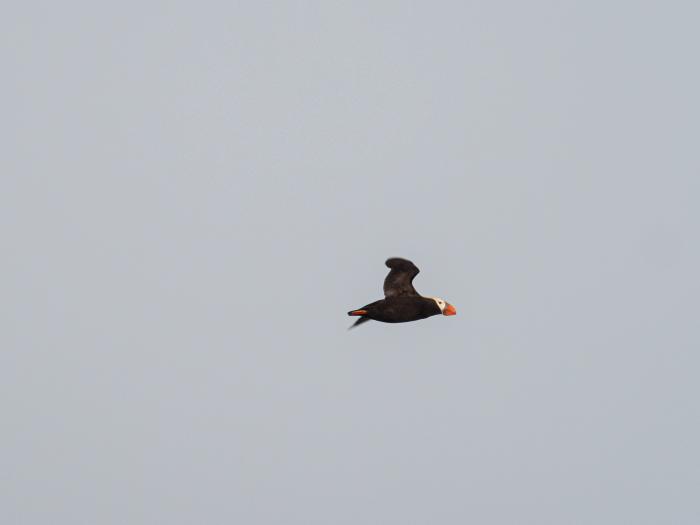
{"points": [[194, 194]]}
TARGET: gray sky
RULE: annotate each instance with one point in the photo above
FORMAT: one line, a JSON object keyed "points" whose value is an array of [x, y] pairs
{"points": [[195, 195]]}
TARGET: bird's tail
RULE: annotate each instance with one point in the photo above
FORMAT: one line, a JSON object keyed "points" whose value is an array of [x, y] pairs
{"points": [[359, 322]]}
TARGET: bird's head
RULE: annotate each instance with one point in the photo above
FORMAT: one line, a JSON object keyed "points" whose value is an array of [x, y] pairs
{"points": [[445, 307]]}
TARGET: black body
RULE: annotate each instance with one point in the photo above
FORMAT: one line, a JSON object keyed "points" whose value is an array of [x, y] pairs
{"points": [[402, 303], [401, 309]]}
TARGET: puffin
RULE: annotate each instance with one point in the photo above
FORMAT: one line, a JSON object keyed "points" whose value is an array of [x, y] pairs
{"points": [[401, 303]]}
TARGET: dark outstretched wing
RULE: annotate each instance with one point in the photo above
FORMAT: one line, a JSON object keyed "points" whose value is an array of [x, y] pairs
{"points": [[398, 282]]}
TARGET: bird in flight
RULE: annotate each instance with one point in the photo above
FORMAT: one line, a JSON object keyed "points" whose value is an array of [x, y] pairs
{"points": [[401, 302]]}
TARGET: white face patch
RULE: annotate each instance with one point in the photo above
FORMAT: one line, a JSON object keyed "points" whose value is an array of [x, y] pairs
{"points": [[441, 304]]}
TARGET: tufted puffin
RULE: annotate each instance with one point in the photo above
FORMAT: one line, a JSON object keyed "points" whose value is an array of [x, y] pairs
{"points": [[401, 303]]}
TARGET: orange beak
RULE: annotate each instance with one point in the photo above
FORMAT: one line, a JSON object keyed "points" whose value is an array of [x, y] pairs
{"points": [[449, 310]]}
